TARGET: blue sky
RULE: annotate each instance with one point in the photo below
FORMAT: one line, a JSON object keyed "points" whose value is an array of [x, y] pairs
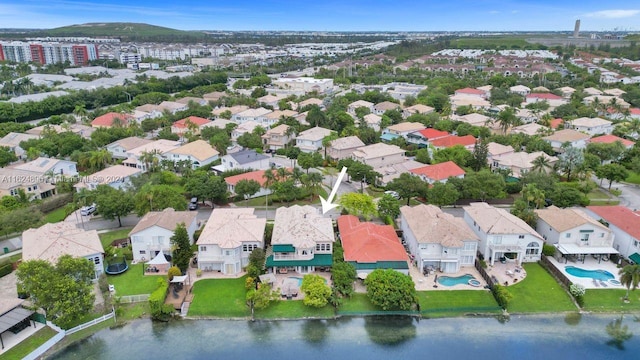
{"points": [[330, 15]]}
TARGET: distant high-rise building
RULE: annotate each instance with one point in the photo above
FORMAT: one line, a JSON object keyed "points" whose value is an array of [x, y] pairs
{"points": [[576, 29], [48, 53]]}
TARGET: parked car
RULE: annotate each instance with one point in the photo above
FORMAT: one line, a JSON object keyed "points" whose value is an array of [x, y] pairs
{"points": [[393, 193], [88, 210], [193, 204]]}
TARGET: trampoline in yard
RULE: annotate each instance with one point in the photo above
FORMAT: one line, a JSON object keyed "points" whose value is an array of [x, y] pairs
{"points": [[117, 266]]}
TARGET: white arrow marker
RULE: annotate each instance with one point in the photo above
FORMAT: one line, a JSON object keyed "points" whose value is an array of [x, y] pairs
{"points": [[327, 204]]}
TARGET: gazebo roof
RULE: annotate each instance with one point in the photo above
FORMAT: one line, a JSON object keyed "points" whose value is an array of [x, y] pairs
{"points": [[160, 259]]}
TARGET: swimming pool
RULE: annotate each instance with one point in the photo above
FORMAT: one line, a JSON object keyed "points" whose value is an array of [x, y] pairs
{"points": [[452, 281], [299, 280], [593, 274]]}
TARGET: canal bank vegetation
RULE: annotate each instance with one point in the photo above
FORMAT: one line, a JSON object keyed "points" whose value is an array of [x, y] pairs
{"points": [[610, 300], [28, 345]]}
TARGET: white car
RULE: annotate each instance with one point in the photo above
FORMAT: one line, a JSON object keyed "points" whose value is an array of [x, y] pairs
{"points": [[88, 210], [393, 193]]}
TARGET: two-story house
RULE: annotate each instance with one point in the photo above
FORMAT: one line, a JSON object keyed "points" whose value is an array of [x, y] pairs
{"points": [[416, 109], [400, 130], [247, 159], [495, 151], [257, 176], [574, 233], [437, 240], [199, 153], [277, 137], [250, 115], [575, 138], [520, 163], [311, 140], [368, 246], [153, 232], [381, 108], [51, 241], [49, 167], [592, 126], [145, 156], [342, 148], [228, 238], [302, 240], [439, 172], [351, 108], [625, 225], [192, 124], [116, 176], [12, 141], [373, 121], [503, 235], [423, 137], [379, 155], [243, 128], [119, 149], [269, 119]]}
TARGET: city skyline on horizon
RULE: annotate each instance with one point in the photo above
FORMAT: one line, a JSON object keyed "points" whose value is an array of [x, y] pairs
{"points": [[331, 15]]}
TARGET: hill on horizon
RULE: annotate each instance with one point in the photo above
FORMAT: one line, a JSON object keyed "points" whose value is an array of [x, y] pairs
{"points": [[125, 32]]}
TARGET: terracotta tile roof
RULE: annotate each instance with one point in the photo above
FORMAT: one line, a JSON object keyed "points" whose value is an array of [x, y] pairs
{"points": [[366, 242], [257, 175], [432, 133], [546, 96], [166, 219], [51, 241], [620, 216], [555, 123], [430, 225], [107, 119], [182, 123], [470, 91], [453, 140], [229, 227], [440, 171], [610, 139], [634, 111]]}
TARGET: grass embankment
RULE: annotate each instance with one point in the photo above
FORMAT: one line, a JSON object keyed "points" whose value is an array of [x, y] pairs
{"points": [[611, 300], [633, 178], [457, 303], [133, 281], [56, 215], [223, 298], [538, 293], [293, 309], [31, 343], [599, 197]]}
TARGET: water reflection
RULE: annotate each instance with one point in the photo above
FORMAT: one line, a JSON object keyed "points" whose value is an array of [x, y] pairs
{"points": [[315, 331], [573, 319], [261, 330], [619, 333], [390, 330]]}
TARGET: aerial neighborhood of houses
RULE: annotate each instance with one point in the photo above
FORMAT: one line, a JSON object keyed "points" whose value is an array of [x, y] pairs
{"points": [[465, 187]]}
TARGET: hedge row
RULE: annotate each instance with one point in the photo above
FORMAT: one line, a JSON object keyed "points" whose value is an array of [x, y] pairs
{"points": [[160, 311]]}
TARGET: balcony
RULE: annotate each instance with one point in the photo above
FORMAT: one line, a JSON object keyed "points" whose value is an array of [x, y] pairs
{"points": [[277, 257]]}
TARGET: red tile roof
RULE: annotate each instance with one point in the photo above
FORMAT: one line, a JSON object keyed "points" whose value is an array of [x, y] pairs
{"points": [[107, 119], [610, 139], [634, 111], [440, 171], [620, 216], [432, 133], [194, 119], [366, 242], [547, 96], [555, 123], [253, 175], [453, 140], [470, 91]]}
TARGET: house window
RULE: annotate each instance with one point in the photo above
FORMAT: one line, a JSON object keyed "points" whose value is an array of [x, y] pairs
{"points": [[520, 236], [96, 260], [228, 252], [601, 235], [203, 248], [143, 252], [567, 235], [533, 248]]}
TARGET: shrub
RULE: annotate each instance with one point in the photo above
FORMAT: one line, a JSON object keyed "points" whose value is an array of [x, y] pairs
{"points": [[502, 295], [5, 270], [160, 311], [103, 283], [483, 263], [513, 187], [578, 292], [173, 271], [196, 235], [548, 250], [127, 253]]}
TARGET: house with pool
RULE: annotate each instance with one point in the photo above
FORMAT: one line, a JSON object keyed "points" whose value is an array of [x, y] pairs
{"points": [[437, 240], [302, 241], [368, 246], [503, 236], [574, 233], [625, 225], [228, 238]]}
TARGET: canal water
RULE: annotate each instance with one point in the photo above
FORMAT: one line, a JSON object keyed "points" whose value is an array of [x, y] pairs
{"points": [[520, 337]]}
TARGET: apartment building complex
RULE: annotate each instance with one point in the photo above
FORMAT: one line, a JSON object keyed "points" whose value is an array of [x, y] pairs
{"points": [[48, 52]]}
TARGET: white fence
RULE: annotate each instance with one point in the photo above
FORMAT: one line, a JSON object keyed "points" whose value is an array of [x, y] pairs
{"points": [[90, 323], [44, 347], [134, 298]]}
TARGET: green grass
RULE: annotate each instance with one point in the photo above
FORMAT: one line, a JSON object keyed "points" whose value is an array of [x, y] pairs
{"points": [[633, 178], [108, 237], [358, 303], [491, 42], [28, 345], [82, 320], [293, 309], [610, 300], [457, 302], [260, 201], [56, 215], [538, 292], [133, 281], [219, 298], [599, 197]]}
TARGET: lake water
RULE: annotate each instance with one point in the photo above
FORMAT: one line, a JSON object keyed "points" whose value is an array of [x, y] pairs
{"points": [[524, 337]]}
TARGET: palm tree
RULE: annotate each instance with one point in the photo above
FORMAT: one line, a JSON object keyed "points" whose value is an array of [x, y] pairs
{"points": [[506, 118], [540, 164], [149, 159], [282, 174], [269, 179], [313, 182], [99, 159], [296, 175], [630, 277]]}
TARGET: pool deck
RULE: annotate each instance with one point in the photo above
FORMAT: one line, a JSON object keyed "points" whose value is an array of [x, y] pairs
{"points": [[590, 264], [426, 283]]}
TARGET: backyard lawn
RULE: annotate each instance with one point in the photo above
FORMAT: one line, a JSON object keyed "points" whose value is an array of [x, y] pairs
{"points": [[457, 302], [259, 202], [610, 300], [293, 309], [133, 281], [56, 215], [538, 292], [219, 298], [28, 345], [108, 237], [358, 303]]}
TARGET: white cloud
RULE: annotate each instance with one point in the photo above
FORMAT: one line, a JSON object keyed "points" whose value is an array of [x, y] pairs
{"points": [[613, 14]]}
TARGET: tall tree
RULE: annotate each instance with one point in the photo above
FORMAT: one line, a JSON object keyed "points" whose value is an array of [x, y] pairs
{"points": [[247, 188], [441, 194], [408, 186], [479, 156], [391, 290], [113, 203], [570, 160], [181, 245], [358, 205], [388, 206], [630, 277], [613, 173], [316, 291]]}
